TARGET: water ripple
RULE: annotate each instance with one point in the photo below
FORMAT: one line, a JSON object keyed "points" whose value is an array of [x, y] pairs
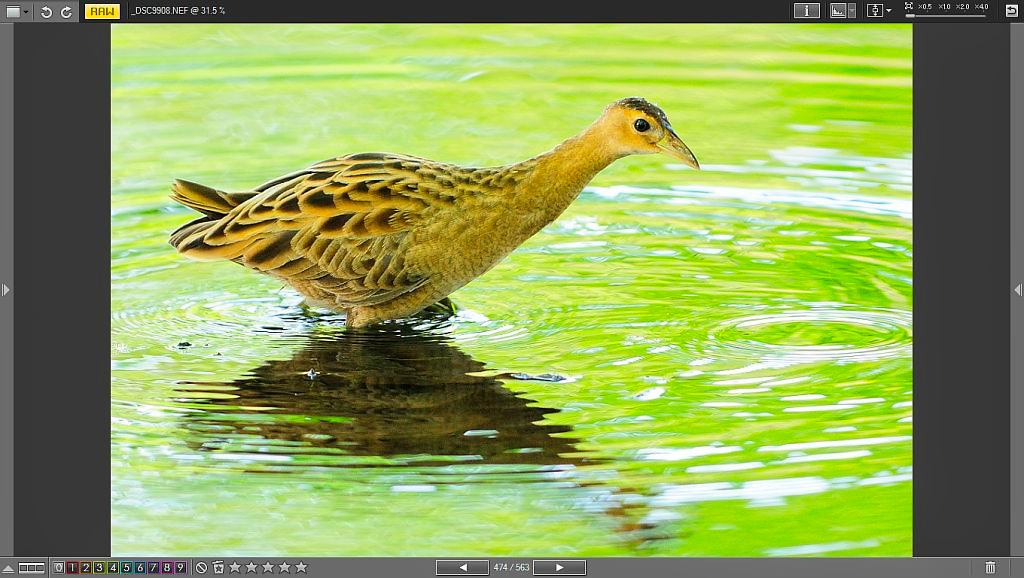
{"points": [[715, 194], [881, 334]]}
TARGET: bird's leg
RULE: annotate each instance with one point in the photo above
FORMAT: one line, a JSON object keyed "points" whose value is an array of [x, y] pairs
{"points": [[358, 317], [444, 307], [351, 320]]}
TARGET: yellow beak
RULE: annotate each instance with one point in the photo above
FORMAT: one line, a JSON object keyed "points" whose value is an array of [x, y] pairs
{"points": [[673, 146]]}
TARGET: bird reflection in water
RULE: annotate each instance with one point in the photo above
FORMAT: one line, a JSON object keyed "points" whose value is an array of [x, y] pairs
{"points": [[398, 394]]}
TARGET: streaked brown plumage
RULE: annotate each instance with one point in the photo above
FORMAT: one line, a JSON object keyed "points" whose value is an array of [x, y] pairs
{"points": [[381, 236]]}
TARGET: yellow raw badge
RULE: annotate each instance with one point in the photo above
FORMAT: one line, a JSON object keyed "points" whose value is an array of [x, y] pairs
{"points": [[102, 11]]}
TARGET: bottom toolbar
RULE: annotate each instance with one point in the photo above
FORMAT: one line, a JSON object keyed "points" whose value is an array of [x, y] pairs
{"points": [[906, 567]]}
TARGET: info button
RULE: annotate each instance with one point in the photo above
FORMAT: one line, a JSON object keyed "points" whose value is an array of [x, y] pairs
{"points": [[102, 11], [462, 567], [559, 567]]}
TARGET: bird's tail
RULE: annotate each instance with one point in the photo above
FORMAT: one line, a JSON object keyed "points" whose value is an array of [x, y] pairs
{"points": [[213, 204], [210, 202]]}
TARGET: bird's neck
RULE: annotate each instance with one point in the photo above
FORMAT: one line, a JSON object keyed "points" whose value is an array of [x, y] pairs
{"points": [[560, 174]]}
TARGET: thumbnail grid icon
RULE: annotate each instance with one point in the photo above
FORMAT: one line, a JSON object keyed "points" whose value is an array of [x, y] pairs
{"points": [[120, 567], [28, 568]]}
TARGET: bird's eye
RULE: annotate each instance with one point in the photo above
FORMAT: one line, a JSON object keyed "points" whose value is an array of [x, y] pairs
{"points": [[641, 125]]}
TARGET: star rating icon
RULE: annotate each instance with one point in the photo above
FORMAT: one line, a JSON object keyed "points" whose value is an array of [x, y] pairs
{"points": [[268, 567]]}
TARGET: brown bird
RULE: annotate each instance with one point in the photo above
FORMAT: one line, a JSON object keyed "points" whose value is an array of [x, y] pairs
{"points": [[382, 236]]}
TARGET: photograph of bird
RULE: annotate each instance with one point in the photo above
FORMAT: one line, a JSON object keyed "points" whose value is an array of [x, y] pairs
{"points": [[381, 236]]}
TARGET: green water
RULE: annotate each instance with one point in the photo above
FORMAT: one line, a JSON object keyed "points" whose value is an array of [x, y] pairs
{"points": [[734, 345]]}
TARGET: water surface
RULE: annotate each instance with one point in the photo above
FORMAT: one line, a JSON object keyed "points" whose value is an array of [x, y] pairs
{"points": [[713, 363]]}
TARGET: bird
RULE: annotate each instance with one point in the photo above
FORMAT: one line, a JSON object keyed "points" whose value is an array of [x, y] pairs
{"points": [[383, 236]]}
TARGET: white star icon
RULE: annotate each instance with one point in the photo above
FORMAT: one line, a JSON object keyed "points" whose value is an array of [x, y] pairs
{"points": [[285, 567], [300, 567], [250, 567], [234, 567], [268, 568]]}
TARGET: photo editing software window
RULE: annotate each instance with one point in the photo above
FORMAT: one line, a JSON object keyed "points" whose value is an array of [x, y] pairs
{"points": [[724, 289]]}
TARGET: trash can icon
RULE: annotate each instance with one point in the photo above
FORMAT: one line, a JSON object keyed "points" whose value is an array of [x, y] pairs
{"points": [[990, 567]]}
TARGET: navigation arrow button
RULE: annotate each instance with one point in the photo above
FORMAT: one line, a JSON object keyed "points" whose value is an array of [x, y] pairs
{"points": [[5, 290], [462, 567], [559, 567], [1019, 290]]}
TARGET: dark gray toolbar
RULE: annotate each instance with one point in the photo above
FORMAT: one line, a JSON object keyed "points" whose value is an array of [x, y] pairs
{"points": [[7, 293], [1016, 295], [53, 12], [522, 567]]}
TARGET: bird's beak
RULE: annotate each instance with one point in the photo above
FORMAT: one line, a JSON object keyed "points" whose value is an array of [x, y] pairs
{"points": [[673, 146]]}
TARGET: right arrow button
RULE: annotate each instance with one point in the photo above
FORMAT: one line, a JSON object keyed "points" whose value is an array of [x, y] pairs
{"points": [[559, 567]]}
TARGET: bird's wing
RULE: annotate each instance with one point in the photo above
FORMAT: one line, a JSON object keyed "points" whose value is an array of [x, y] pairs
{"points": [[345, 225]]}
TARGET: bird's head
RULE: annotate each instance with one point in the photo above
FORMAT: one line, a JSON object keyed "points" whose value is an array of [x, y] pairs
{"points": [[634, 126]]}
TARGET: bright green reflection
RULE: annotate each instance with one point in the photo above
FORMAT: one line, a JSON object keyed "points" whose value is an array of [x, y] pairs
{"points": [[737, 341]]}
